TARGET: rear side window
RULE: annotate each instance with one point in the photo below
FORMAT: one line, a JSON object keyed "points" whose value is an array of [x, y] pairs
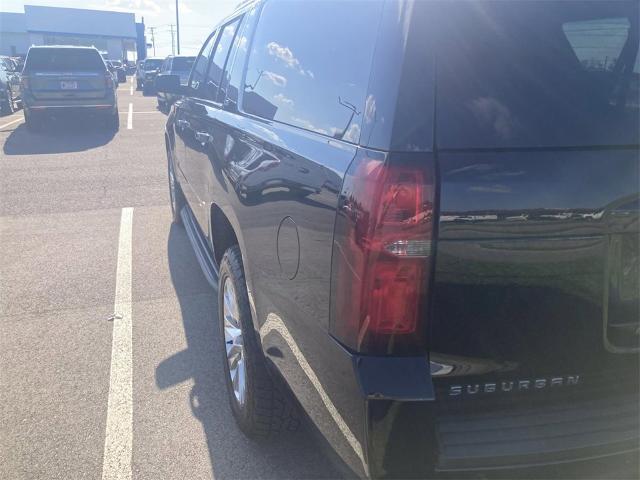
{"points": [[234, 71], [214, 76], [199, 72], [529, 74], [64, 60], [309, 65]]}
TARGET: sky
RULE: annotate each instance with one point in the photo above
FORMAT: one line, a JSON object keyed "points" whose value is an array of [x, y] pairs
{"points": [[197, 17]]}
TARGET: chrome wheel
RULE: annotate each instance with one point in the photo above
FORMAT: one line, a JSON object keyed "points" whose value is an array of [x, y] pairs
{"points": [[233, 341]]}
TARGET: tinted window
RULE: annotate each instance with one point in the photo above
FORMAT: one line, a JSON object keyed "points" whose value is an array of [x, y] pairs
{"points": [[152, 63], [63, 60], [182, 64], [309, 65], [199, 72], [220, 57], [538, 74], [237, 60]]}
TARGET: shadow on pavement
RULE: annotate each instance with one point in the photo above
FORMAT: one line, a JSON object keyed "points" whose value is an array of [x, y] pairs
{"points": [[58, 137], [232, 455]]}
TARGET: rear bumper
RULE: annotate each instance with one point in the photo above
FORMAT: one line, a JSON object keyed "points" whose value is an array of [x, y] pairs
{"points": [[93, 106], [97, 103], [408, 428]]}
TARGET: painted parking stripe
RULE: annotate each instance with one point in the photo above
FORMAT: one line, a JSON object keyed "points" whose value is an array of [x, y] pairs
{"points": [[119, 431], [10, 123], [130, 117]]}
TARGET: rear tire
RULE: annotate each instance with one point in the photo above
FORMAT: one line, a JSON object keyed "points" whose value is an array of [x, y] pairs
{"points": [[175, 192], [264, 407]]}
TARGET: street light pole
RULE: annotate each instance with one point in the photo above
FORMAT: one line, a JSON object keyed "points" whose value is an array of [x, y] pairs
{"points": [[178, 27]]}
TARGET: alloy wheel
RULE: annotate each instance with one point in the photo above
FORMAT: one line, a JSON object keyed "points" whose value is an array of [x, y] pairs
{"points": [[233, 342]]}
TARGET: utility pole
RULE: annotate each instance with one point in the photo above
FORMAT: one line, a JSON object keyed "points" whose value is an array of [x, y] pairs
{"points": [[178, 27], [153, 40], [173, 45]]}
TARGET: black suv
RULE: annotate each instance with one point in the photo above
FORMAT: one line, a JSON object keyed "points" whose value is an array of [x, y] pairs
{"points": [[422, 221]]}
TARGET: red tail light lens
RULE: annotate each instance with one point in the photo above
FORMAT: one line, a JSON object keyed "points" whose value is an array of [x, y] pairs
{"points": [[108, 80], [382, 254]]}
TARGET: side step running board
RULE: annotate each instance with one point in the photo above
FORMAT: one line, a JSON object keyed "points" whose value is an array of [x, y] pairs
{"points": [[199, 244]]}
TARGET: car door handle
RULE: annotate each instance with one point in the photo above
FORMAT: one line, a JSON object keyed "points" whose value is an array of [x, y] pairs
{"points": [[203, 137], [183, 123]]}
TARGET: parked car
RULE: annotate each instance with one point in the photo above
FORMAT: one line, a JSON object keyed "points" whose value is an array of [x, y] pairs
{"points": [[147, 71], [457, 288], [10, 97], [59, 80], [174, 65], [112, 70], [121, 73]]}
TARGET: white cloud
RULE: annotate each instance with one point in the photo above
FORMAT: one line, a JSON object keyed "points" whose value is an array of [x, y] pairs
{"points": [[141, 7], [277, 80], [285, 55], [309, 126], [280, 98], [353, 133]]}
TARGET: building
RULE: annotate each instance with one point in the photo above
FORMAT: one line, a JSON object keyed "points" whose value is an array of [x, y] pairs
{"points": [[14, 39], [113, 33]]}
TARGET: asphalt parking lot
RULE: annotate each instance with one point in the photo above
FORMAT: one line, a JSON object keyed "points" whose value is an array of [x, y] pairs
{"points": [[70, 259]]}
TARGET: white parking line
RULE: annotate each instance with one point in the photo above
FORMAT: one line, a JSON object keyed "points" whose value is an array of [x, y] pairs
{"points": [[130, 117], [118, 441], [10, 123]]}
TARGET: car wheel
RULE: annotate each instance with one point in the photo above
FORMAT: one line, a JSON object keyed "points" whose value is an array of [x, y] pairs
{"points": [[8, 106], [260, 404], [175, 192]]}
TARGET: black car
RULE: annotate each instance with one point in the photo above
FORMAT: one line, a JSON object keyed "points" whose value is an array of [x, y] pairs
{"points": [[120, 71], [422, 222], [145, 75], [174, 65]]}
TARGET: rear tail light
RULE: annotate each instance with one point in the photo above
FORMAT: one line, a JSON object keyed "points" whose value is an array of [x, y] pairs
{"points": [[382, 254]]}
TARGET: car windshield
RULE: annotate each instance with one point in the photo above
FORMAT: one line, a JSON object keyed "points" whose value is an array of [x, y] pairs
{"points": [[152, 64], [182, 64], [63, 60]]}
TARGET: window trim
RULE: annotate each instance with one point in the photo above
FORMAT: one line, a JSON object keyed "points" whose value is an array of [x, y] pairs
{"points": [[218, 32], [204, 45], [248, 25], [241, 26]]}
